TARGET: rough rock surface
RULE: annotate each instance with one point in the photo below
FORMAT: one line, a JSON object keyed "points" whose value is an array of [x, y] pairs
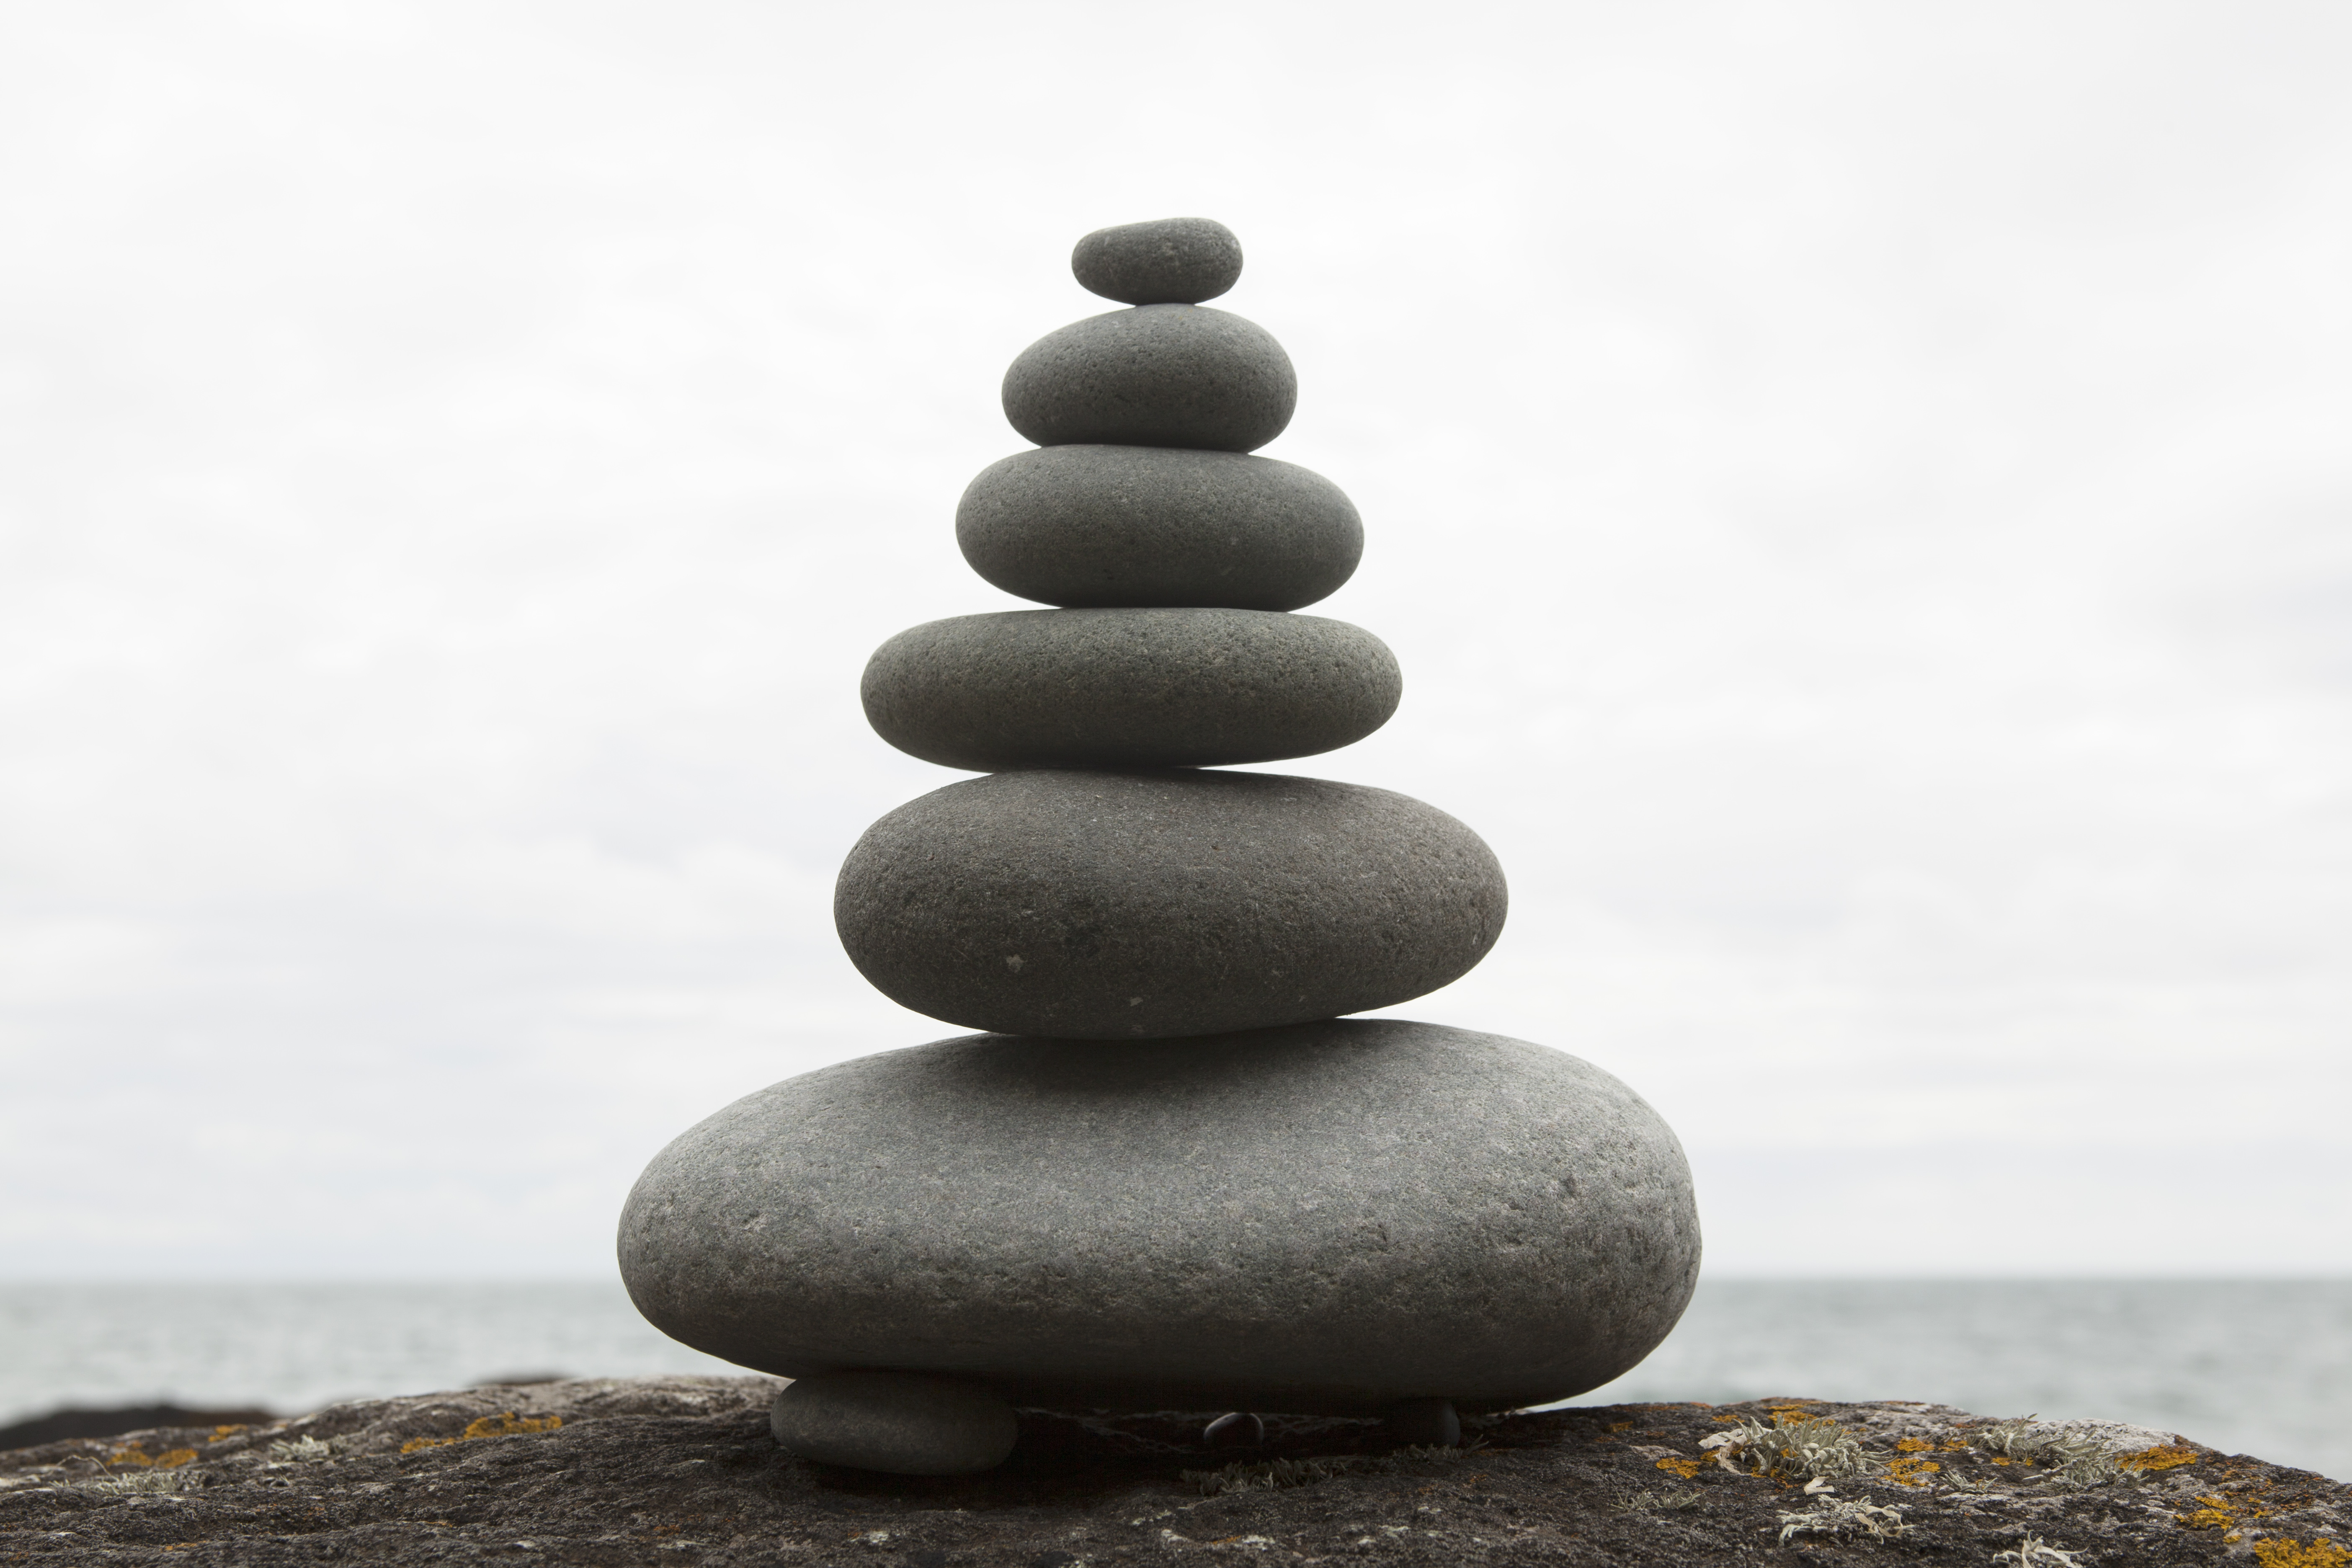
{"points": [[1167, 261], [1330, 1218], [1128, 688], [1096, 525], [684, 1471], [1158, 375], [1103, 905]]}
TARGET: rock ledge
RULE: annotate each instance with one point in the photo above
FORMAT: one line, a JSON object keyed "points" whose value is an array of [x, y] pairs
{"points": [[683, 1470]]}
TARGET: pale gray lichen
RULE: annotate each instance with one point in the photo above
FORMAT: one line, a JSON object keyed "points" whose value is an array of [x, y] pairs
{"points": [[1794, 1446], [2035, 1553], [1835, 1516], [300, 1451], [1671, 1499], [135, 1482]]}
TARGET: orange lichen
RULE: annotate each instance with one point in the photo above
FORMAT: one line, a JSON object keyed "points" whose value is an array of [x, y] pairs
{"points": [[1725, 1419], [1956, 1446], [130, 1456], [175, 1459], [1911, 1471], [2168, 1457], [506, 1426], [1621, 1426], [2001, 1458], [503, 1424], [1686, 1469], [2319, 1553], [1914, 1445], [223, 1432]]}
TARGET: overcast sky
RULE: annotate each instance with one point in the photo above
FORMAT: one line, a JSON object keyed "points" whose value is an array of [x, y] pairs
{"points": [[1862, 495]]}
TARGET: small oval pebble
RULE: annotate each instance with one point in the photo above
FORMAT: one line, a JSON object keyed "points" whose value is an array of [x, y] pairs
{"points": [[1129, 689], [1336, 1218], [1102, 905], [1092, 525], [1158, 375], [904, 1423], [1169, 261]]}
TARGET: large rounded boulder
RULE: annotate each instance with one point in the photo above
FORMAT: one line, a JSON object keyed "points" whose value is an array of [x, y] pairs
{"points": [[1332, 1217]]}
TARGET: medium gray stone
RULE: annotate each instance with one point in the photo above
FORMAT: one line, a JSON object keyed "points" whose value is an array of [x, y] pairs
{"points": [[1168, 261], [1158, 375], [1333, 1217], [904, 1423], [1093, 525], [1128, 688], [1138, 905], [1426, 1423]]}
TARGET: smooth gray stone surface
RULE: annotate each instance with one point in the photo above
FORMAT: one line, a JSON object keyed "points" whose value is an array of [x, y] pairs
{"points": [[1158, 375], [907, 1423], [1168, 261], [1329, 1218], [1094, 525], [1138, 905], [1128, 688]]}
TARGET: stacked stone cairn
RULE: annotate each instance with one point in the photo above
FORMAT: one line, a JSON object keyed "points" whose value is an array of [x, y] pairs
{"points": [[1169, 1175]]}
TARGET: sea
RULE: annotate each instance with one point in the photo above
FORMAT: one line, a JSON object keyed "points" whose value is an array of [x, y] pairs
{"points": [[2254, 1366]]}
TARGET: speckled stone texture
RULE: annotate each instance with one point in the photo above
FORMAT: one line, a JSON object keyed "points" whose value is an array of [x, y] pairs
{"points": [[1168, 261], [682, 1471], [1128, 688], [1093, 525], [1158, 375], [1332, 1217], [901, 1423], [1138, 905]]}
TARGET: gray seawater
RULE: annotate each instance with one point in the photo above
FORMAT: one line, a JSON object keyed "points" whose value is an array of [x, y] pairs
{"points": [[2262, 1367]]}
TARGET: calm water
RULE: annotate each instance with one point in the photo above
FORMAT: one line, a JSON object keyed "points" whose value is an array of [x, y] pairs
{"points": [[2253, 1366]]}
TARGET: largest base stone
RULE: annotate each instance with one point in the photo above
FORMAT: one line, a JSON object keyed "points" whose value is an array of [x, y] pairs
{"points": [[1323, 1218]]}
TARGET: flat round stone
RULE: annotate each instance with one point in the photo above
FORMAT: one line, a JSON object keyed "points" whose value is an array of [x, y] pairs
{"points": [[1137, 905], [1168, 261], [1093, 525], [908, 1424], [1158, 375], [1128, 688], [1331, 1219]]}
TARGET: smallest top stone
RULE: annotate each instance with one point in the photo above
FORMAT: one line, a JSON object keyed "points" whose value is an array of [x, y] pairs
{"points": [[1169, 261]]}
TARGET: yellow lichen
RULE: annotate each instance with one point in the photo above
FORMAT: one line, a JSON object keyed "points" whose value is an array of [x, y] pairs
{"points": [[175, 1459], [2168, 1457], [2001, 1458], [503, 1424], [506, 1426], [222, 1433], [2319, 1553], [1686, 1469], [1723, 1418], [130, 1456], [1911, 1471], [1956, 1446], [1621, 1426], [1914, 1445]]}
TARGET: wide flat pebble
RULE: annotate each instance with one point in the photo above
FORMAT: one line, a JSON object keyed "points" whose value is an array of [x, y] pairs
{"points": [[1334, 1217], [1168, 261], [1129, 689], [1098, 525], [1137, 905], [1158, 375], [904, 1423]]}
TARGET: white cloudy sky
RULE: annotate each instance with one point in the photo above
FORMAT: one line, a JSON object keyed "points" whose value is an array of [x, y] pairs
{"points": [[1862, 494]]}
